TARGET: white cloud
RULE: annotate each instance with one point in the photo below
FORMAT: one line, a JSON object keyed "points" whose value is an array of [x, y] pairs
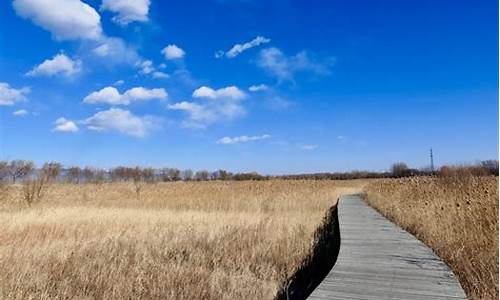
{"points": [[146, 66], [284, 68], [123, 121], [223, 104], [242, 139], [230, 92], [258, 88], [278, 103], [144, 94], [127, 10], [172, 52], [160, 75], [110, 95], [119, 82], [115, 50], [309, 147], [65, 19], [9, 96], [60, 64], [239, 48], [65, 125], [20, 113]]}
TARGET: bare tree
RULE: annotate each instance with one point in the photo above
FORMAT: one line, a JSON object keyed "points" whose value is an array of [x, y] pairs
{"points": [[4, 175], [201, 175], [35, 186], [399, 169], [148, 174], [19, 169], [4, 170], [73, 174], [187, 175], [174, 174], [51, 170]]}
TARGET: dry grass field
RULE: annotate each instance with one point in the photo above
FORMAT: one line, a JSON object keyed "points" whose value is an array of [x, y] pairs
{"points": [[457, 215], [182, 240]]}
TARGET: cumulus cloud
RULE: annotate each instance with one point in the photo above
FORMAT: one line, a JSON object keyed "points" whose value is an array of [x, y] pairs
{"points": [[64, 19], [277, 64], [122, 121], [65, 125], [309, 147], [231, 92], [60, 64], [222, 104], [110, 95], [239, 48], [10, 96], [127, 11], [241, 139], [20, 113], [172, 52], [258, 88]]}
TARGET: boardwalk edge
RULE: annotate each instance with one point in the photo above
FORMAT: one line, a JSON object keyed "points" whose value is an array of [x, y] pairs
{"points": [[316, 266]]}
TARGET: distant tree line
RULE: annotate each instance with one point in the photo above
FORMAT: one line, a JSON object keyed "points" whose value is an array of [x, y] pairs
{"points": [[23, 170]]}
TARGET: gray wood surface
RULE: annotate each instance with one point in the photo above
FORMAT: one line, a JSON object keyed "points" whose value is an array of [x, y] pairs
{"points": [[379, 260]]}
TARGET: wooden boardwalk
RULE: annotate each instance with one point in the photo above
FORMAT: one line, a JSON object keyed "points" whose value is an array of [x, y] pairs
{"points": [[379, 260]]}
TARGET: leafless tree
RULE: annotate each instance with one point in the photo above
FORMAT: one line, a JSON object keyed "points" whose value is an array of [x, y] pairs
{"points": [[201, 175], [187, 175], [399, 169], [73, 174], [19, 169]]}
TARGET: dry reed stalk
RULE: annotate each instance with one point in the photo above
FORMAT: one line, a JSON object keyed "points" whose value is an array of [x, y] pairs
{"points": [[182, 240], [457, 216]]}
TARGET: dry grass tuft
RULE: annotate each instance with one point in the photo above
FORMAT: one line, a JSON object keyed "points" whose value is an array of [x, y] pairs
{"points": [[456, 215], [182, 240]]}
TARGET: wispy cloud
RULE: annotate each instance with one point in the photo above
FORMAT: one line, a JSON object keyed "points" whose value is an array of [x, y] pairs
{"points": [[309, 147], [10, 96], [20, 113], [284, 68], [240, 48], [242, 139], [160, 75], [258, 88], [115, 50]]}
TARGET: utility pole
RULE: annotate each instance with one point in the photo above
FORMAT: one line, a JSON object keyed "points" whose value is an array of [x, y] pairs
{"points": [[432, 161]]}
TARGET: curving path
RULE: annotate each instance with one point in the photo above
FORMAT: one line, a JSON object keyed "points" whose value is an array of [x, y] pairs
{"points": [[379, 260]]}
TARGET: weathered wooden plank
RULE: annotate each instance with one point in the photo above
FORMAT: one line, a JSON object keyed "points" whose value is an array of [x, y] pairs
{"points": [[379, 260]]}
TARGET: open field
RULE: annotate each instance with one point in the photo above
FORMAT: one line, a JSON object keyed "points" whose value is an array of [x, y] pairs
{"points": [[456, 215], [182, 240]]}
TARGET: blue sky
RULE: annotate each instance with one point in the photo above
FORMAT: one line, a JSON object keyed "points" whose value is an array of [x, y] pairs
{"points": [[268, 86]]}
